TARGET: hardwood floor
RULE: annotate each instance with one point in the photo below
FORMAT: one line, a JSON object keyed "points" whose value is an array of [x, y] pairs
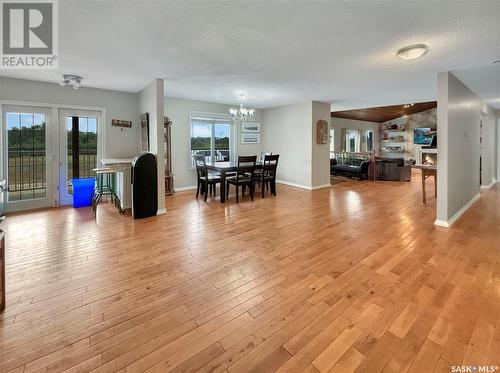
{"points": [[343, 279]]}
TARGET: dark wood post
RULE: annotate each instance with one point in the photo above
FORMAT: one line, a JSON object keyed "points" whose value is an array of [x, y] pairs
{"points": [[75, 147]]}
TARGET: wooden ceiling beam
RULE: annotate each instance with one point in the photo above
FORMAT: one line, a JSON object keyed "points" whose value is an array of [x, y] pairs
{"points": [[384, 113]]}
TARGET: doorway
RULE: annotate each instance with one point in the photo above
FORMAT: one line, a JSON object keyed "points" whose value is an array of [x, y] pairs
{"points": [[78, 148], [27, 157], [42, 150]]}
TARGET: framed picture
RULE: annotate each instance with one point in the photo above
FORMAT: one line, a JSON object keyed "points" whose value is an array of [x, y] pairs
{"points": [[253, 127], [250, 138], [322, 132], [145, 132]]}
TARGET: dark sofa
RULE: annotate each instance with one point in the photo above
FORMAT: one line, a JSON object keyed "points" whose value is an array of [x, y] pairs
{"points": [[392, 169], [349, 166]]}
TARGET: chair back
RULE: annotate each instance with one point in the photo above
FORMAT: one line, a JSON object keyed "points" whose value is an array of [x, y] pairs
{"points": [[246, 165], [270, 165], [201, 166], [263, 155]]}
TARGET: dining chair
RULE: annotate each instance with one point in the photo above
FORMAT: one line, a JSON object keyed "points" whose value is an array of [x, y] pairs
{"points": [[258, 171], [244, 176], [206, 182], [268, 173]]}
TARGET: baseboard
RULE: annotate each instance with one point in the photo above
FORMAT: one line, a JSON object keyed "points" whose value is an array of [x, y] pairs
{"points": [[490, 185], [181, 189], [162, 211], [458, 214], [321, 186], [301, 186]]}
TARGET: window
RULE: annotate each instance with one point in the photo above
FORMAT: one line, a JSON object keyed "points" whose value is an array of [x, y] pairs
{"points": [[81, 135], [212, 137], [369, 141], [352, 141], [26, 156]]}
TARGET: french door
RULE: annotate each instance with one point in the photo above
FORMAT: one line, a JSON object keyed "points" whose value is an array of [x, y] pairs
{"points": [[28, 154], [78, 148]]}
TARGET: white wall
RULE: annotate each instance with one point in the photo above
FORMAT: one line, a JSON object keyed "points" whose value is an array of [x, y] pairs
{"points": [[498, 147], [488, 149], [287, 131], [118, 105], [151, 101], [178, 111], [320, 152], [458, 143], [341, 123]]}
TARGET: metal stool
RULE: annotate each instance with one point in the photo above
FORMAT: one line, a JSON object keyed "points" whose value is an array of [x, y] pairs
{"points": [[105, 186]]}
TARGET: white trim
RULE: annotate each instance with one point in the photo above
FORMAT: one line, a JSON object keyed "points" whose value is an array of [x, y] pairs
{"points": [[181, 189], [162, 211], [301, 186], [490, 185], [458, 214], [321, 186]]}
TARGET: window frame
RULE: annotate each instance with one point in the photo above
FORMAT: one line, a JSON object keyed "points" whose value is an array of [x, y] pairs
{"points": [[212, 119]]}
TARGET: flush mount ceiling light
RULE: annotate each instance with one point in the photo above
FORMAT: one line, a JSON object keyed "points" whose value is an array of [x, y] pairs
{"points": [[412, 52], [73, 80]]}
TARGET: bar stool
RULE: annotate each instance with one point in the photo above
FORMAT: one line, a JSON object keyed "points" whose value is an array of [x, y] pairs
{"points": [[105, 186]]}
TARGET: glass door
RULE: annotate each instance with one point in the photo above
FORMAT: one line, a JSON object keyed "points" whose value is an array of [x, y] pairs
{"points": [[78, 149], [27, 158]]}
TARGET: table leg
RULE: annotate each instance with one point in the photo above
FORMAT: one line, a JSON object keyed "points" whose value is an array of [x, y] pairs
{"points": [[423, 187], [435, 186], [222, 187]]}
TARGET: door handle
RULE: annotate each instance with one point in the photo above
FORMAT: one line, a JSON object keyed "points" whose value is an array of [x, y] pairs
{"points": [[62, 164]]}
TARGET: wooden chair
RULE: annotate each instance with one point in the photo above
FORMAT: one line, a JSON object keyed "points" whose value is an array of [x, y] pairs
{"points": [[206, 182], [244, 176], [268, 173]]}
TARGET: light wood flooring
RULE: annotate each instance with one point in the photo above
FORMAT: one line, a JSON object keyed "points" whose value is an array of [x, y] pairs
{"points": [[349, 278]]}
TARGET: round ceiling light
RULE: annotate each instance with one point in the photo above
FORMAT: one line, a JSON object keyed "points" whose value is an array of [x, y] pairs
{"points": [[412, 52]]}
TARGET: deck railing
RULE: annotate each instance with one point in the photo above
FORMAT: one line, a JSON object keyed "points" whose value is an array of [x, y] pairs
{"points": [[220, 155]]}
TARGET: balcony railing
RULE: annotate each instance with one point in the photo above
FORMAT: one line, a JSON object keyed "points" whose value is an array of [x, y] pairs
{"points": [[220, 155]]}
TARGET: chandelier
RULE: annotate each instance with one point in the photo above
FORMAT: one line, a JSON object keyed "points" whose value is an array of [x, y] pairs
{"points": [[241, 114]]}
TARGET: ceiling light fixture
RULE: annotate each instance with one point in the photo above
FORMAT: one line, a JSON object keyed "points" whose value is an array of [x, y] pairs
{"points": [[412, 52], [241, 114], [72, 80]]}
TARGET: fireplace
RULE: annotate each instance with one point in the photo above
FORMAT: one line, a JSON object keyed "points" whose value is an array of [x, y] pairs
{"points": [[426, 156], [429, 159]]}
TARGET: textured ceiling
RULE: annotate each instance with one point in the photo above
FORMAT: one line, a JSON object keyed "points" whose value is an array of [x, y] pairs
{"points": [[276, 52], [484, 81]]}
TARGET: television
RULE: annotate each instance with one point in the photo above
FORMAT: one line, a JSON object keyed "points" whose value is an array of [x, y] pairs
{"points": [[424, 136]]}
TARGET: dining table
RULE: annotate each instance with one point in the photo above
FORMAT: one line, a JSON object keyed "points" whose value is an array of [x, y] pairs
{"points": [[224, 168]]}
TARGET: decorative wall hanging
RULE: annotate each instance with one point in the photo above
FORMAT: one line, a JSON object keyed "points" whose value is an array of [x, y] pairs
{"points": [[121, 123], [322, 132], [145, 132], [250, 138], [250, 127]]}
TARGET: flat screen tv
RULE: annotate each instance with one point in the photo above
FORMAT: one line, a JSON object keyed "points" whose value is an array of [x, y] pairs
{"points": [[423, 136]]}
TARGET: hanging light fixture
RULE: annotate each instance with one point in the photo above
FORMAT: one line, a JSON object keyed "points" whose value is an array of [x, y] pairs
{"points": [[242, 113]]}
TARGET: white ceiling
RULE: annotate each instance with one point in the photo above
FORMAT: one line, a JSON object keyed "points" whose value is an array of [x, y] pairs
{"points": [[484, 81], [276, 52]]}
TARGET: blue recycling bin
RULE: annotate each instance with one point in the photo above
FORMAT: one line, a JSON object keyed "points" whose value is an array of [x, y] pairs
{"points": [[82, 191]]}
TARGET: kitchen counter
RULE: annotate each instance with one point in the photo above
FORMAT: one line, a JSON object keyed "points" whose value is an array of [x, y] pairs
{"points": [[123, 179]]}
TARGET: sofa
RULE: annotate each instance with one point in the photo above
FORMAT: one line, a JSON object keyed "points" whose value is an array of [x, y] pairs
{"points": [[349, 166], [392, 169]]}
